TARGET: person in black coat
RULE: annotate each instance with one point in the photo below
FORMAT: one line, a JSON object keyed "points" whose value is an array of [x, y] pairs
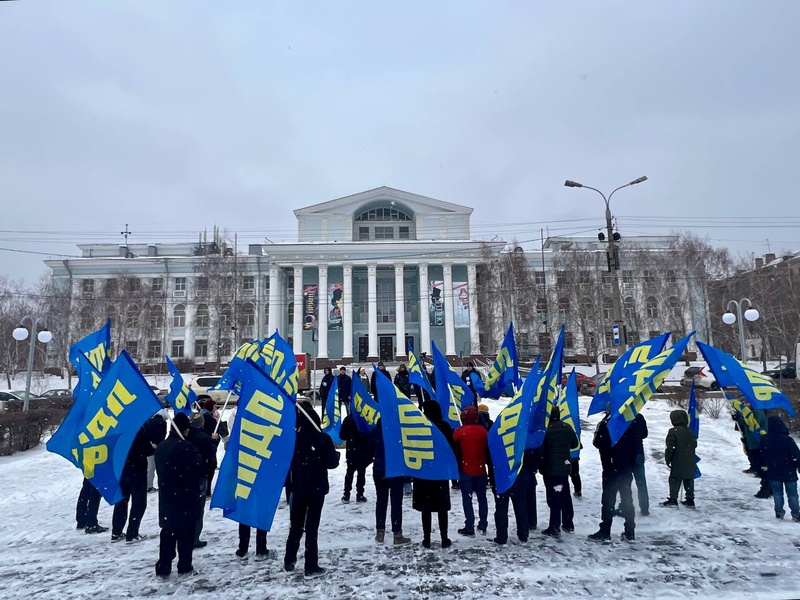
{"points": [[433, 496], [617, 462], [134, 489], [639, 433], [314, 454], [374, 386], [181, 487], [559, 440], [325, 385], [386, 488], [205, 446], [359, 457], [345, 385], [87, 507], [780, 462], [522, 495], [466, 377], [422, 394], [402, 382]]}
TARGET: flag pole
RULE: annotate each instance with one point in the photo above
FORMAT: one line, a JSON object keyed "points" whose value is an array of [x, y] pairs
{"points": [[224, 406], [307, 416], [175, 427]]}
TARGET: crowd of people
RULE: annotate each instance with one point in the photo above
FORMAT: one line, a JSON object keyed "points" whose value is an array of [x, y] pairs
{"points": [[185, 465]]}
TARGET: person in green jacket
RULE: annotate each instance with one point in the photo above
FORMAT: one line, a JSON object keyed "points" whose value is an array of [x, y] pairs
{"points": [[680, 458]]}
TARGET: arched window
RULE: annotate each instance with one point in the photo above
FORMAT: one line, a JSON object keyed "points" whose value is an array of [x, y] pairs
{"points": [[111, 313], [132, 316], [674, 307], [608, 309], [248, 314], [628, 307], [651, 305], [86, 318], [384, 213], [179, 316], [201, 318], [156, 315], [226, 315], [383, 221]]}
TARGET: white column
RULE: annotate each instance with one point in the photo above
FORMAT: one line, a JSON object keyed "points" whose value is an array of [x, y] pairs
{"points": [[347, 314], [372, 310], [274, 300], [322, 311], [424, 311], [297, 303], [474, 328], [399, 309], [449, 321]]}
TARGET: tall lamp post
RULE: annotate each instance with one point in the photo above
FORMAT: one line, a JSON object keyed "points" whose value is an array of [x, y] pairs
{"points": [[751, 314], [613, 251], [20, 334]]}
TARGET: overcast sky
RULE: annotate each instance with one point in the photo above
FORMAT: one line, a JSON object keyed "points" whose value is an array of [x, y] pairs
{"points": [[174, 116]]}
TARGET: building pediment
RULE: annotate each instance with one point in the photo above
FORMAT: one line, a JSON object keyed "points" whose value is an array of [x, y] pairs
{"points": [[383, 195]]}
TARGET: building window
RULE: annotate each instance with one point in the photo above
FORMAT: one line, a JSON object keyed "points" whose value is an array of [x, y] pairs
{"points": [[156, 317], [157, 285], [179, 316], [674, 307], [384, 214], [248, 314], [202, 282], [562, 278], [266, 312], [671, 279], [563, 308], [88, 288], [651, 304], [608, 309], [584, 277], [225, 349], [386, 305], [632, 337], [363, 234], [200, 348], [627, 277], [201, 317], [180, 284], [569, 340], [249, 284], [132, 316], [111, 288], [134, 285], [177, 349], [605, 278], [544, 342], [539, 278], [291, 313], [86, 318], [226, 314], [628, 307], [609, 339], [265, 280], [153, 350], [132, 347], [404, 233], [384, 233], [653, 334]]}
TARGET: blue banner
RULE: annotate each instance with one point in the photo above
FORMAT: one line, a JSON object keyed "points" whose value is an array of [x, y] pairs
{"points": [[694, 425], [414, 446], [546, 395], [568, 407], [758, 389], [504, 371], [364, 409], [624, 367], [96, 348], [88, 379], [180, 397], [629, 398], [278, 361], [259, 452], [748, 416], [509, 433], [416, 374], [332, 414], [452, 393], [249, 350], [98, 431]]}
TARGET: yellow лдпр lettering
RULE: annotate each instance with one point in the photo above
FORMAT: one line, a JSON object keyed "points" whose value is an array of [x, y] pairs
{"points": [[509, 419], [504, 362], [256, 437], [416, 436]]}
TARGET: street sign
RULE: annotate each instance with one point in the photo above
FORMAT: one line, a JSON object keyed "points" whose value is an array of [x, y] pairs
{"points": [[615, 333]]}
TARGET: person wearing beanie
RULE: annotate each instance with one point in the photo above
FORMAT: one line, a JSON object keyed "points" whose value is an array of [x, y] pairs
{"points": [[483, 416], [559, 441], [180, 472], [373, 385], [386, 489], [345, 389], [781, 461], [466, 377], [472, 453]]}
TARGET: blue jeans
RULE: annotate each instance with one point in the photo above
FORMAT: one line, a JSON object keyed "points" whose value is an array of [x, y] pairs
{"points": [[641, 483], [476, 484], [791, 496]]}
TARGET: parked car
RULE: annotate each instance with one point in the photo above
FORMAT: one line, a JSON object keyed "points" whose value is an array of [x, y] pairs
{"points": [[587, 386], [57, 393], [161, 395], [200, 385], [22, 394], [787, 371], [701, 380], [6, 397]]}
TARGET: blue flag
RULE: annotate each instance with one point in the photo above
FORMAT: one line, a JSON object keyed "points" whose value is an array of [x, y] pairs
{"points": [[452, 393], [332, 415], [758, 389], [180, 397], [364, 409], [228, 382], [624, 367], [88, 379], [546, 395], [509, 433], [414, 446], [694, 425], [95, 350], [503, 372], [630, 396], [279, 362], [748, 417], [568, 406], [98, 431], [259, 452], [416, 374]]}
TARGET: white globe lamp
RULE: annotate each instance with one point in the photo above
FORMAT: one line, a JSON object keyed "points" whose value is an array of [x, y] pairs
{"points": [[729, 318], [20, 333]]}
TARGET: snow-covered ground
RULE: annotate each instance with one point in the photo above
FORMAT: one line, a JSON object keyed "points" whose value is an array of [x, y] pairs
{"points": [[731, 546]]}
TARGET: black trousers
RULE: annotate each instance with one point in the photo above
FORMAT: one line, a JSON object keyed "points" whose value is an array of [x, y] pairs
{"points": [[384, 490], [613, 484], [518, 495], [304, 514], [560, 501], [244, 540], [361, 479], [198, 529], [575, 475], [172, 537], [88, 505], [427, 518], [530, 498], [134, 489]]}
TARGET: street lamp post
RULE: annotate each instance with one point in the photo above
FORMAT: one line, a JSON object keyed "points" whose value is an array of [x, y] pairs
{"points": [[21, 333], [751, 314], [613, 251]]}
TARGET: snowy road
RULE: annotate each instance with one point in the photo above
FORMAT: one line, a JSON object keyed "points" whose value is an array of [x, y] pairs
{"points": [[730, 547]]}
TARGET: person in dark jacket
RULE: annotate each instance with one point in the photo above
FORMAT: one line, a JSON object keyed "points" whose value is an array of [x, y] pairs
{"points": [[559, 440], [466, 377], [359, 457], [752, 441], [617, 462], [325, 385], [781, 460], [87, 507], [373, 386], [402, 382], [181, 488], [157, 430], [205, 446], [484, 419], [518, 495], [386, 489], [472, 454], [639, 432], [680, 458], [134, 489], [345, 387], [421, 393], [433, 496], [314, 455]]}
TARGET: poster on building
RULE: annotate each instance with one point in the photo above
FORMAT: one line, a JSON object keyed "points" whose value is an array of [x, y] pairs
{"points": [[436, 302], [460, 304], [310, 301], [335, 300]]}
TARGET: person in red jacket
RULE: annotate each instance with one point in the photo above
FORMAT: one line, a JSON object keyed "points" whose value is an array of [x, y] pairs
{"points": [[472, 451]]}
